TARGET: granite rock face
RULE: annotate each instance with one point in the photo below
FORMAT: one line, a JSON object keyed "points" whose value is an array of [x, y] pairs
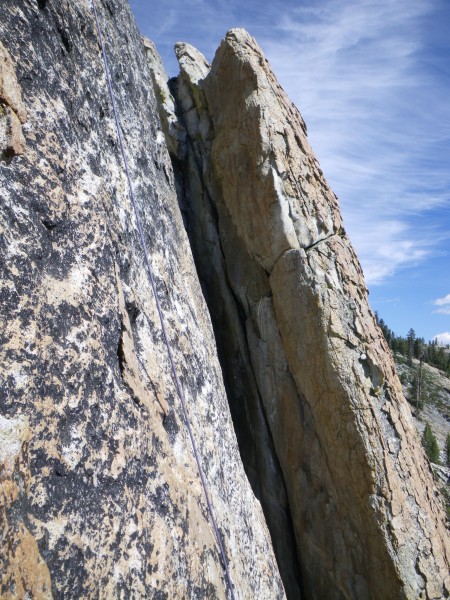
{"points": [[326, 436], [12, 110], [100, 495]]}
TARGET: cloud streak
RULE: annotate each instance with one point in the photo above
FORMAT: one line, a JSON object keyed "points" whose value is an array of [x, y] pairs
{"points": [[443, 301], [444, 304]]}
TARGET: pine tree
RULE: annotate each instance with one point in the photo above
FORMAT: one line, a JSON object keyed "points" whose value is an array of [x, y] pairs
{"points": [[419, 348], [411, 337], [429, 442], [416, 391]]}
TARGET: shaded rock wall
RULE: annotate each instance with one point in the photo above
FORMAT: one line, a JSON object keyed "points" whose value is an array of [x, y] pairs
{"points": [[291, 316], [99, 492]]}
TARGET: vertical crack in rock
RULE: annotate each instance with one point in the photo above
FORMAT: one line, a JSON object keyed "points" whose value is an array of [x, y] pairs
{"points": [[198, 194], [99, 491], [309, 376]]}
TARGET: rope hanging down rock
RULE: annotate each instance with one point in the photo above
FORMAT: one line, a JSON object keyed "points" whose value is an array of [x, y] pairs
{"points": [[158, 305]]}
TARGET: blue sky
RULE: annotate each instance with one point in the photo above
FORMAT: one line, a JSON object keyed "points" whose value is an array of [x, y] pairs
{"points": [[372, 81]]}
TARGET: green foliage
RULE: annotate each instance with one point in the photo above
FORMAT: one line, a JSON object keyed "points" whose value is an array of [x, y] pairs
{"points": [[438, 356], [423, 389], [417, 392], [404, 379], [411, 347], [429, 442], [430, 389], [447, 450]]}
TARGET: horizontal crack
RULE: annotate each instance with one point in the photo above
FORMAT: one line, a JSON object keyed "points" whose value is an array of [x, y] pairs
{"points": [[306, 248]]}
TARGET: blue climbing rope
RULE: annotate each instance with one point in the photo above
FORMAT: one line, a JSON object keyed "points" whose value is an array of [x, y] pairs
{"points": [[158, 305]]}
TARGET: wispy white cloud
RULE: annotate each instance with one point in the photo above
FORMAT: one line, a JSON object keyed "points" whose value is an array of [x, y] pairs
{"points": [[443, 338], [444, 304], [386, 247], [442, 301]]}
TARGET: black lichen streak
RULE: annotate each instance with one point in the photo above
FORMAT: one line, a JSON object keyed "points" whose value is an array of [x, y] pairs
{"points": [[170, 424]]}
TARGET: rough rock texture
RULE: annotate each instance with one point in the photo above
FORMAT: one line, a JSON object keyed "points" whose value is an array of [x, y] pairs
{"points": [[291, 316], [99, 492], [12, 110], [22, 567], [199, 194]]}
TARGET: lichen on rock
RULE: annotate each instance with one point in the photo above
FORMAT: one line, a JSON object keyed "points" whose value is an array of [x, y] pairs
{"points": [[112, 505], [24, 572]]}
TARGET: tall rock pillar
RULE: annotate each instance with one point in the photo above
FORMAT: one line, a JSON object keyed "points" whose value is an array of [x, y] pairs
{"points": [[359, 492]]}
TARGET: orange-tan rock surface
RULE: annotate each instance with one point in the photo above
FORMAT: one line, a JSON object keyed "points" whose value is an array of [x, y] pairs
{"points": [[293, 309], [24, 572], [12, 110]]}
